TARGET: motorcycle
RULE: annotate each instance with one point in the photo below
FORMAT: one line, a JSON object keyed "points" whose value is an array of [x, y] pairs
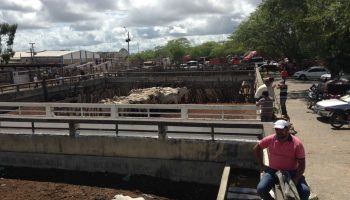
{"points": [[339, 117], [314, 95]]}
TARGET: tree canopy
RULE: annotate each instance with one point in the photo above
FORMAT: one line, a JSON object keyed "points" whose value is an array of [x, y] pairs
{"points": [[299, 30], [302, 30], [7, 34]]}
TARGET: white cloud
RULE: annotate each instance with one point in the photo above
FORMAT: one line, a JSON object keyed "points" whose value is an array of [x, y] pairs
{"points": [[98, 25]]}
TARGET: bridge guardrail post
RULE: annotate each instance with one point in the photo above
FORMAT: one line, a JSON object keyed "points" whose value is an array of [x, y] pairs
{"points": [[184, 113], [33, 128], [212, 133], [113, 113], [162, 129], [48, 111], [73, 129], [17, 88]]}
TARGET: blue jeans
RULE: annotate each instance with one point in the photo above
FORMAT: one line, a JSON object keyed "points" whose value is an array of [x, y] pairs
{"points": [[269, 179], [283, 106]]}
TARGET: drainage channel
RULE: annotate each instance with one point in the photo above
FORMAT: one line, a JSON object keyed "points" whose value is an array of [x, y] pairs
{"points": [[238, 184]]}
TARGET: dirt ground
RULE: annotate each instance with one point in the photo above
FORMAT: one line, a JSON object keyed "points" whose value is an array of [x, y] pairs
{"points": [[36, 184], [327, 149]]}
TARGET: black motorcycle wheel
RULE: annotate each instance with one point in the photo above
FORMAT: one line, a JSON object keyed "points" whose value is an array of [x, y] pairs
{"points": [[336, 120]]}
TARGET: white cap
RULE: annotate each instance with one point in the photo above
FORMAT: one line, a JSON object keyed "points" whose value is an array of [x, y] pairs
{"points": [[281, 124]]}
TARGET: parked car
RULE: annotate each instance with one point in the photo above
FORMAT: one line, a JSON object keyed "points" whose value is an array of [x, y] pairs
{"points": [[310, 73], [325, 77], [269, 67], [322, 108], [193, 64]]}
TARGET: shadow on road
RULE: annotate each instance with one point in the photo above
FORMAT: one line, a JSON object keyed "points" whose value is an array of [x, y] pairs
{"points": [[298, 95], [324, 120], [339, 129]]}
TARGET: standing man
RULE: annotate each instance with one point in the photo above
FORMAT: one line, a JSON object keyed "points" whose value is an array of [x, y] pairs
{"points": [[284, 74], [283, 97], [36, 80], [286, 153]]}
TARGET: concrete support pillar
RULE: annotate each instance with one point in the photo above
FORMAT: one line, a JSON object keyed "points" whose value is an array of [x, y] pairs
{"points": [[162, 132], [73, 129]]}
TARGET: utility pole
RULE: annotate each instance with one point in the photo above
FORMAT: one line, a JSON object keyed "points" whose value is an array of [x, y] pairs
{"points": [[32, 51], [127, 39]]}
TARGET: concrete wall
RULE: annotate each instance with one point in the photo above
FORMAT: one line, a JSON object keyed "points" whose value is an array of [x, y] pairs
{"points": [[187, 160]]}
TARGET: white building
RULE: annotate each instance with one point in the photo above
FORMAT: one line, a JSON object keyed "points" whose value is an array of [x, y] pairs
{"points": [[55, 57]]}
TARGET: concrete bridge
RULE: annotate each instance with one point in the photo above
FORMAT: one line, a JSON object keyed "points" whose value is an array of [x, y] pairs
{"points": [[191, 142], [187, 148]]}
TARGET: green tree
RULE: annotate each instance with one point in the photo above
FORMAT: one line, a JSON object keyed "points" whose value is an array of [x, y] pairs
{"points": [[202, 50], [275, 29], [329, 33], [177, 49], [8, 32]]}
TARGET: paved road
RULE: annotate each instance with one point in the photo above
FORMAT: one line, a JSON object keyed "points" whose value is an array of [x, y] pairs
{"points": [[327, 150]]}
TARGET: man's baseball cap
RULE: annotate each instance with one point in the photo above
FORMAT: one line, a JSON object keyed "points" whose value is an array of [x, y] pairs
{"points": [[281, 124]]}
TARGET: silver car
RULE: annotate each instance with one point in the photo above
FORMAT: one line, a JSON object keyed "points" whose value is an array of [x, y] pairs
{"points": [[310, 73]]}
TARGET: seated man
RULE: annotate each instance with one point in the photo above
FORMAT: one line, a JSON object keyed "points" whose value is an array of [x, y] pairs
{"points": [[286, 153], [266, 105], [267, 86]]}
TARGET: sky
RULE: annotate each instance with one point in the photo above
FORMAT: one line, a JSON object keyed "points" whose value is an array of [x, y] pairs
{"points": [[98, 25]]}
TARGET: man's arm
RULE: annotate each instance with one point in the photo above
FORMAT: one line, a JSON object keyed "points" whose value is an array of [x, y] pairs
{"points": [[258, 154], [300, 171]]}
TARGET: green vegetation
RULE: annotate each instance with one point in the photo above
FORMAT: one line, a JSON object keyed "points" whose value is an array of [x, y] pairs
{"points": [[302, 30], [7, 32]]}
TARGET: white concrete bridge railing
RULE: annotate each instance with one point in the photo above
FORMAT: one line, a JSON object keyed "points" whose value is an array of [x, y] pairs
{"points": [[179, 111]]}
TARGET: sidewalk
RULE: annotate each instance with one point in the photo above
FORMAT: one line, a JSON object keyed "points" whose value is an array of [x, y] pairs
{"points": [[327, 150]]}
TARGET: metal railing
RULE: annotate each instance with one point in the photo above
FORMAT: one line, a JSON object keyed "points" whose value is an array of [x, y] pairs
{"points": [[241, 112], [122, 74], [48, 83], [199, 119], [157, 128]]}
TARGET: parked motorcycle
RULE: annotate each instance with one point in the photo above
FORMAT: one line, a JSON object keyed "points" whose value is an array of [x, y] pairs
{"points": [[314, 95], [339, 117]]}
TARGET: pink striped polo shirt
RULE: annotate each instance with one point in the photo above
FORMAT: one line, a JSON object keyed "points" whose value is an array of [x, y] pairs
{"points": [[283, 156]]}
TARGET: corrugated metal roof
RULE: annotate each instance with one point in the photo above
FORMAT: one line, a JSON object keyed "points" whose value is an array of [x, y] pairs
{"points": [[42, 54]]}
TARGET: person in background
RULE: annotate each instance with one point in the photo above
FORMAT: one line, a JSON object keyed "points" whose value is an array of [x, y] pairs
{"points": [[266, 105], [284, 74], [283, 97], [36, 80], [267, 86], [286, 153]]}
